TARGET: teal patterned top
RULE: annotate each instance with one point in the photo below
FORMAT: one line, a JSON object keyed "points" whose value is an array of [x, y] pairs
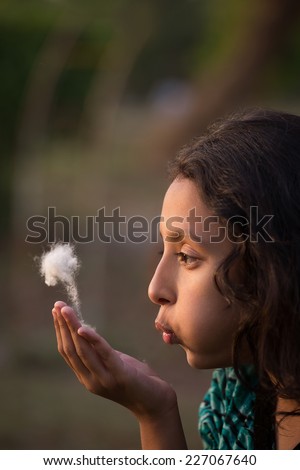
{"points": [[226, 415]]}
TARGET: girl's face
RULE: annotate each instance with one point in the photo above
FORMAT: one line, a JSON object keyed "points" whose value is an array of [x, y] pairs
{"points": [[192, 311]]}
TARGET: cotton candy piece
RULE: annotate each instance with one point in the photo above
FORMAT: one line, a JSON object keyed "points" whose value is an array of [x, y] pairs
{"points": [[61, 265]]}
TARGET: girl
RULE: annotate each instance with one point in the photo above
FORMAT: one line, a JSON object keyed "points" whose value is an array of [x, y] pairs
{"points": [[228, 291]]}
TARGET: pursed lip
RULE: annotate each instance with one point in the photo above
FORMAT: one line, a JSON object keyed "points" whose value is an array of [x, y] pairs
{"points": [[168, 335]]}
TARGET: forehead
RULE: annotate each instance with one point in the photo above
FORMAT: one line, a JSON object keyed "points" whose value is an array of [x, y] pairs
{"points": [[184, 208], [181, 197]]}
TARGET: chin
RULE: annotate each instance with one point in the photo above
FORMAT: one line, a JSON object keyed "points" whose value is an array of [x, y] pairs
{"points": [[196, 362], [206, 362]]}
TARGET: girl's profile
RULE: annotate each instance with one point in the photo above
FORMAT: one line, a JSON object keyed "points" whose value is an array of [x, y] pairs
{"points": [[227, 290]]}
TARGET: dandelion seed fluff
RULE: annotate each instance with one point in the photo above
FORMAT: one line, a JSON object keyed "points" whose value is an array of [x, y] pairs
{"points": [[61, 264]]}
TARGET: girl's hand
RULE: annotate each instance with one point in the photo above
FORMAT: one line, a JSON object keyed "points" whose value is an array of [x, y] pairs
{"points": [[110, 373]]}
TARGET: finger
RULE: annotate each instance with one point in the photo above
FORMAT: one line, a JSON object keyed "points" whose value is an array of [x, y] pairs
{"points": [[68, 348], [60, 345], [58, 337], [60, 304], [105, 352], [71, 317], [74, 324], [85, 349]]}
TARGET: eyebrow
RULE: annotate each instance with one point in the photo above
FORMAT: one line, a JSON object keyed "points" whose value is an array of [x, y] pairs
{"points": [[181, 235]]}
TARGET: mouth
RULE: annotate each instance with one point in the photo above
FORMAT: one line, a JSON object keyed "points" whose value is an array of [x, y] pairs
{"points": [[168, 335]]}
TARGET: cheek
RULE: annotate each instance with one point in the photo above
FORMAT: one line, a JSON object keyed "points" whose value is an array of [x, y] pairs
{"points": [[203, 299], [206, 322], [208, 329]]}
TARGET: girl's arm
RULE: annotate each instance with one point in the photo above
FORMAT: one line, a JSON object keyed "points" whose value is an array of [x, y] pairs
{"points": [[164, 432], [121, 378]]}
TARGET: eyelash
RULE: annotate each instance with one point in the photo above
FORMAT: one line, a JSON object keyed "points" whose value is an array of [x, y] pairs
{"points": [[184, 258]]}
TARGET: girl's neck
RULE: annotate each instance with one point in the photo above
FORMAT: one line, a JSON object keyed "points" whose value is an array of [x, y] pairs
{"points": [[288, 428]]}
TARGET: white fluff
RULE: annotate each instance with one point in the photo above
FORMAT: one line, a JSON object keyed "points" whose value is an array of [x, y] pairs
{"points": [[61, 264]]}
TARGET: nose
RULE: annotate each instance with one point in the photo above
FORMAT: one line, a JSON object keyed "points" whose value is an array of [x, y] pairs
{"points": [[161, 290]]}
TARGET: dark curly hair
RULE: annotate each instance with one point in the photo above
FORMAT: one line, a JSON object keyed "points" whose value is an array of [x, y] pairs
{"points": [[252, 159]]}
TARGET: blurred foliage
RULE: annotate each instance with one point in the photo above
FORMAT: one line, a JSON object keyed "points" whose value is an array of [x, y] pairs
{"points": [[187, 36], [75, 71]]}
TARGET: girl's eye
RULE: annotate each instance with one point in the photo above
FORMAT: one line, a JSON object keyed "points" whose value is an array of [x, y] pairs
{"points": [[185, 259]]}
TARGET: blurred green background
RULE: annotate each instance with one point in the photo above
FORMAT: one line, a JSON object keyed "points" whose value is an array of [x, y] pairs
{"points": [[95, 98]]}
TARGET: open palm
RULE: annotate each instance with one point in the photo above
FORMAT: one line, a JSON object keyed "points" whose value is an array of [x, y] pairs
{"points": [[107, 372]]}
